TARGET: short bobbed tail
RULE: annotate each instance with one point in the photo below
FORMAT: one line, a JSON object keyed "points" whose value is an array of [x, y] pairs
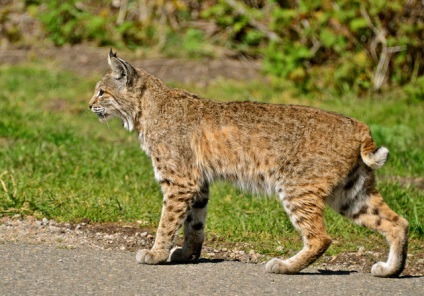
{"points": [[372, 156], [376, 159]]}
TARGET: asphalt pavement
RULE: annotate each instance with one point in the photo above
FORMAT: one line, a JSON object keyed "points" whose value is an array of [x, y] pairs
{"points": [[46, 270]]}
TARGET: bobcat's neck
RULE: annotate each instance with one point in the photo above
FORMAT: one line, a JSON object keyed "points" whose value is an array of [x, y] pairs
{"points": [[148, 109], [146, 95]]}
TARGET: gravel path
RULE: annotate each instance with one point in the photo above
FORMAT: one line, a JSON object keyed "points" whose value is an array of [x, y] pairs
{"points": [[103, 236], [132, 237], [46, 270]]}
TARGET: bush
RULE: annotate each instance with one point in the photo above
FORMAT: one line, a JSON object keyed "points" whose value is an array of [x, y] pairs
{"points": [[415, 89], [358, 45]]}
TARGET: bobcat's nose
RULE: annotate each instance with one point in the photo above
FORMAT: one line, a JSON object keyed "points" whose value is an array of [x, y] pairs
{"points": [[90, 106]]}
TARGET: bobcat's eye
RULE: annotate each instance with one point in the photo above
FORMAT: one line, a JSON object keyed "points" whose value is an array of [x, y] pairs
{"points": [[101, 92]]}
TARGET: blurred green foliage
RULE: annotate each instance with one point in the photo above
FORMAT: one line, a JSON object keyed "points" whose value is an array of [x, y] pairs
{"points": [[327, 46]]}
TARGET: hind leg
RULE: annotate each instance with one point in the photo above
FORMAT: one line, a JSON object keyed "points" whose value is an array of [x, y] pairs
{"points": [[306, 214], [375, 214], [194, 226]]}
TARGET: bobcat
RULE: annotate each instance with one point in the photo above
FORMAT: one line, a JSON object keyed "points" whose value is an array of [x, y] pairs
{"points": [[306, 156]]}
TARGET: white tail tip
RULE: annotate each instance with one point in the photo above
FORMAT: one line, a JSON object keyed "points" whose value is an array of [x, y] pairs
{"points": [[377, 159]]}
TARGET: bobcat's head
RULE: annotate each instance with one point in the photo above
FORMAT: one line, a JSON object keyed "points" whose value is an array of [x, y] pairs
{"points": [[116, 93]]}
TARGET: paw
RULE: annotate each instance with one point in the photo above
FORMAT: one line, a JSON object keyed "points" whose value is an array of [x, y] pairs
{"points": [[151, 257], [382, 269], [279, 266], [179, 255]]}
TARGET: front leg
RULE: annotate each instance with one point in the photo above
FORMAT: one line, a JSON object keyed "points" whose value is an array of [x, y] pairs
{"points": [[177, 200]]}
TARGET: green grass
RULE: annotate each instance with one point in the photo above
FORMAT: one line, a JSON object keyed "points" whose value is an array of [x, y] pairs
{"points": [[58, 161]]}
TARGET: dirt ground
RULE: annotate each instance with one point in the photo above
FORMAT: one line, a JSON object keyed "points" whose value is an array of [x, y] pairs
{"points": [[131, 237], [88, 61]]}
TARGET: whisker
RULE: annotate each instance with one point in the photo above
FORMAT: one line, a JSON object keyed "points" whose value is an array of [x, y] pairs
{"points": [[107, 123]]}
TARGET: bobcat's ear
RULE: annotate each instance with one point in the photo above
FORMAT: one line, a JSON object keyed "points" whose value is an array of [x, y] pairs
{"points": [[121, 70]]}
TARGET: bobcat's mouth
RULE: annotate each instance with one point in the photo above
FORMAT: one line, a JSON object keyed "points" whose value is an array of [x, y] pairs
{"points": [[100, 112], [127, 121]]}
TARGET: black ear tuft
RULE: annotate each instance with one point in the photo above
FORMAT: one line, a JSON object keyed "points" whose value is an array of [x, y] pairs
{"points": [[111, 54]]}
